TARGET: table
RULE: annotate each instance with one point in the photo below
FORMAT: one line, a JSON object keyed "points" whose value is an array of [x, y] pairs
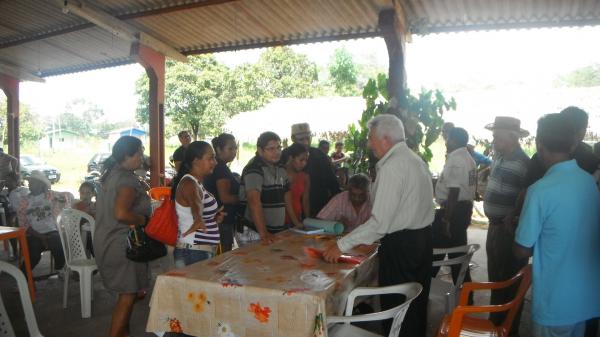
{"points": [[7, 233], [258, 290]]}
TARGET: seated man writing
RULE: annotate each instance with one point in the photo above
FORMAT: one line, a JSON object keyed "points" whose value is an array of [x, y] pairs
{"points": [[351, 207], [37, 213]]}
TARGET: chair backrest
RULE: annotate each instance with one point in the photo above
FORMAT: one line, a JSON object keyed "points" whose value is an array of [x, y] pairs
{"points": [[525, 276], [410, 290], [69, 222], [463, 260], [524, 279], [5, 325], [160, 192]]}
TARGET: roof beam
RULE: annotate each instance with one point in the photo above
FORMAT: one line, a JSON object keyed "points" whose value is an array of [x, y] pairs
{"points": [[19, 73], [120, 28], [55, 31]]}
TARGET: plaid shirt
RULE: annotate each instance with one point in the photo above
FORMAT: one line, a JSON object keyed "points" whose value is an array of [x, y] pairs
{"points": [[506, 181]]}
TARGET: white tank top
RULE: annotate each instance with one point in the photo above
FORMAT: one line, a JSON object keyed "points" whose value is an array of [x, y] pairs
{"points": [[209, 211]]}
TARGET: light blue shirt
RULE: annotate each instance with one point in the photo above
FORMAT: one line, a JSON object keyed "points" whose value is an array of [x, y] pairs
{"points": [[561, 221]]}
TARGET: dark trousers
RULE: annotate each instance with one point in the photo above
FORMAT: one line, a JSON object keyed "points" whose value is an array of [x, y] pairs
{"points": [[502, 265], [405, 256], [36, 247], [226, 234], [460, 221]]}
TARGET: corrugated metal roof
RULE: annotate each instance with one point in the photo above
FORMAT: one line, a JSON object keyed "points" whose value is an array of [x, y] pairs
{"points": [[37, 36]]}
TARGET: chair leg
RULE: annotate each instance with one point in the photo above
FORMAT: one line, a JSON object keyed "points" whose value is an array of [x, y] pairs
{"points": [[66, 276], [85, 278]]}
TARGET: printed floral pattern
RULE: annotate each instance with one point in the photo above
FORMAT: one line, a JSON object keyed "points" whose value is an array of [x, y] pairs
{"points": [[319, 330], [174, 325], [230, 283], [198, 300], [224, 330], [260, 313]]}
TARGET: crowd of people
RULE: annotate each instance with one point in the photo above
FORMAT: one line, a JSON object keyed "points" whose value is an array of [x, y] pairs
{"points": [[545, 207]]}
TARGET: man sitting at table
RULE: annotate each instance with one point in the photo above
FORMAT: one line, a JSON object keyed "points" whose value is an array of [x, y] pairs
{"points": [[401, 218], [37, 213], [351, 207], [264, 191]]}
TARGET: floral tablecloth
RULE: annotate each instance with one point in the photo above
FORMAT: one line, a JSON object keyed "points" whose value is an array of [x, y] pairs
{"points": [[258, 290]]}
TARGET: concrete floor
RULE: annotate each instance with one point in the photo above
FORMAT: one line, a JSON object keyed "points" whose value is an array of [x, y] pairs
{"points": [[54, 321]]}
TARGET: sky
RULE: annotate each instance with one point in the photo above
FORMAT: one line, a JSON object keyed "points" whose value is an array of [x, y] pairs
{"points": [[506, 59]]}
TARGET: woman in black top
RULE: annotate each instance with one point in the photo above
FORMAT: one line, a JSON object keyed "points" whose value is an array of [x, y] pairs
{"points": [[223, 185]]}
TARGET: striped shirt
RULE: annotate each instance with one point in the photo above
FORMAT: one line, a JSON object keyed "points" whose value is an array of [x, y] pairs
{"points": [[272, 183], [209, 211], [506, 181], [402, 197]]}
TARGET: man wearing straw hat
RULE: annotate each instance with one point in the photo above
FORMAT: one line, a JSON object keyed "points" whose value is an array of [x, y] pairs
{"points": [[505, 183]]}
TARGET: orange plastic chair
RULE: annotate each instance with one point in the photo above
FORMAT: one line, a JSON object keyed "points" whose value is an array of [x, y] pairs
{"points": [[459, 323], [160, 193]]}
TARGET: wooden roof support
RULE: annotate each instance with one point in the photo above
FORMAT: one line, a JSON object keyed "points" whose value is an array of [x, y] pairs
{"points": [[395, 39], [10, 85], [120, 28], [19, 73]]}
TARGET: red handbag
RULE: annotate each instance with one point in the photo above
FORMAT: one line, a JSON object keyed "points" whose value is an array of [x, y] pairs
{"points": [[163, 225]]}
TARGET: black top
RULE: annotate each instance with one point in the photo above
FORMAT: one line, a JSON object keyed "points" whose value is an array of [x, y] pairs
{"points": [[222, 171], [583, 154], [323, 182], [179, 154]]}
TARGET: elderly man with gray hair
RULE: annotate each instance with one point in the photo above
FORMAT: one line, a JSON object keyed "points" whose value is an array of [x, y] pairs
{"points": [[401, 218]]}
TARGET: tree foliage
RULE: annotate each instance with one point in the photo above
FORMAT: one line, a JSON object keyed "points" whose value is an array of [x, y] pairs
{"points": [[287, 73], [81, 116], [423, 120], [583, 77], [202, 94], [30, 129], [343, 72]]}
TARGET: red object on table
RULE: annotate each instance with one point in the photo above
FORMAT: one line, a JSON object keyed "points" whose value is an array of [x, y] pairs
{"points": [[7, 233], [344, 258]]}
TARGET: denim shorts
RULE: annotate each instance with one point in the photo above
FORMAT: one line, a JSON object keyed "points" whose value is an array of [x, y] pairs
{"points": [[184, 257]]}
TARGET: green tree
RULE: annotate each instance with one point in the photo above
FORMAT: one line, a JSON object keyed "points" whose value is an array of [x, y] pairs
{"points": [[583, 77], [287, 73], [30, 128], [422, 119], [193, 95], [343, 72]]}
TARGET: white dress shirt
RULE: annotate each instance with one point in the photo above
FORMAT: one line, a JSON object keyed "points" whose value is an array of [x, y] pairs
{"points": [[459, 172], [402, 198]]}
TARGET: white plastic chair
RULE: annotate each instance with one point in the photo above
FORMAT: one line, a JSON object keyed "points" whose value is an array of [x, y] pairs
{"points": [[6, 328], [448, 291], [76, 259], [410, 290]]}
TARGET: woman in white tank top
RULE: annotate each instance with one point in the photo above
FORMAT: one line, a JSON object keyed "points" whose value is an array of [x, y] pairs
{"points": [[197, 210]]}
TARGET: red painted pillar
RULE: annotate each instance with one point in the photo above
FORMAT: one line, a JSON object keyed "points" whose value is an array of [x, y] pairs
{"points": [[154, 63], [10, 86]]}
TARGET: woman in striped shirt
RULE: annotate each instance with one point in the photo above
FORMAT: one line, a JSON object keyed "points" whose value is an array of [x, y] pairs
{"points": [[197, 210]]}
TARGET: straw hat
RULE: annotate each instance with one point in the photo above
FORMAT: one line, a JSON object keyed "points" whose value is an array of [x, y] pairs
{"points": [[39, 176], [508, 123]]}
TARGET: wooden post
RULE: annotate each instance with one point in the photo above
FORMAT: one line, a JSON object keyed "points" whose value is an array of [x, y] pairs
{"points": [[154, 63], [393, 33], [10, 86]]}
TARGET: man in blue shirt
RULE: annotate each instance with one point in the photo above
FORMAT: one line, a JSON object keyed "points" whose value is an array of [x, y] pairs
{"points": [[560, 227]]}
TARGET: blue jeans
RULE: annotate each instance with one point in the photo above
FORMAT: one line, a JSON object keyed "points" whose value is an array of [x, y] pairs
{"points": [[184, 257]]}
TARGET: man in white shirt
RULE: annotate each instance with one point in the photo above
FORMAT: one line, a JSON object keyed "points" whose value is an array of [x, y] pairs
{"points": [[401, 218], [454, 192]]}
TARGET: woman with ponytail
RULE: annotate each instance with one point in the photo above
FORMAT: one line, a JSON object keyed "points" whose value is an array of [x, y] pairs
{"points": [[197, 210], [223, 185], [121, 204]]}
